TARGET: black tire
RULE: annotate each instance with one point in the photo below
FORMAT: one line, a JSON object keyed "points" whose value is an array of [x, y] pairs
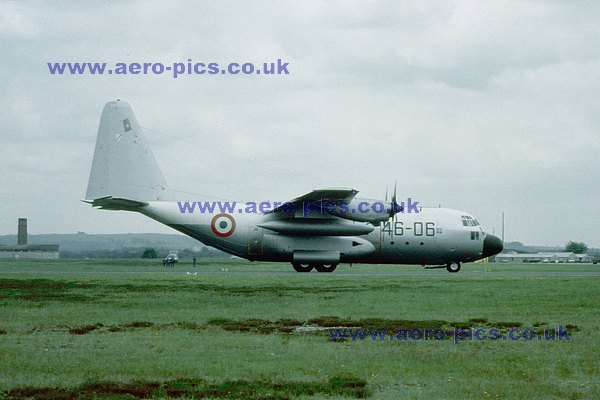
{"points": [[299, 267], [325, 267], [453, 267]]}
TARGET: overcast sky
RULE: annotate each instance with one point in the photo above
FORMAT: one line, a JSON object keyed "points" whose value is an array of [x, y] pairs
{"points": [[488, 107]]}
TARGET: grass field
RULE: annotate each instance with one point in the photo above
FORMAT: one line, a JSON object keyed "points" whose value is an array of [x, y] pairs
{"points": [[234, 329]]}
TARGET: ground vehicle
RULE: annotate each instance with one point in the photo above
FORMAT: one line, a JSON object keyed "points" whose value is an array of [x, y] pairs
{"points": [[170, 260]]}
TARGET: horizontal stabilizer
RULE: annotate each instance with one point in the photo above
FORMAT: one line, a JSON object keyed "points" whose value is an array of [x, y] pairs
{"points": [[116, 203]]}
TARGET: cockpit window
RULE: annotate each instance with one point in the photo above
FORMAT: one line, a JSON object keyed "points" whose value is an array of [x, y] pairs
{"points": [[469, 221]]}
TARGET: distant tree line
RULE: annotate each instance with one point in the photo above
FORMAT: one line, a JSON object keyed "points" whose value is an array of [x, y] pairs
{"points": [[143, 252]]}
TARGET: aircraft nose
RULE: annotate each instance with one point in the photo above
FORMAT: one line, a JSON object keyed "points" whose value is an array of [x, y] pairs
{"points": [[492, 245]]}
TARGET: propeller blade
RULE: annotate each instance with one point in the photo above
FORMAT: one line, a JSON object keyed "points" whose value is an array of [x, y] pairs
{"points": [[395, 206]]}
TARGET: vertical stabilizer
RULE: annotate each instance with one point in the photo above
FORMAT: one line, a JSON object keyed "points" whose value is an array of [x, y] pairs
{"points": [[123, 165]]}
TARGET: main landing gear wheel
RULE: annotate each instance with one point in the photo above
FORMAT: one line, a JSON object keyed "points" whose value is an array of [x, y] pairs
{"points": [[453, 267], [299, 267], [325, 267]]}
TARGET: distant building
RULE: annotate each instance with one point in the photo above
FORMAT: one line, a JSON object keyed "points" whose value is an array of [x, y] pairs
{"points": [[543, 257], [584, 258], [28, 251]]}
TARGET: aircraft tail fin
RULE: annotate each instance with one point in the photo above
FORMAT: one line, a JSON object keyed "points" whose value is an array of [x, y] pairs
{"points": [[123, 166]]}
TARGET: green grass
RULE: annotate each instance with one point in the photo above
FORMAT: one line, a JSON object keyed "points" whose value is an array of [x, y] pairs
{"points": [[118, 328]]}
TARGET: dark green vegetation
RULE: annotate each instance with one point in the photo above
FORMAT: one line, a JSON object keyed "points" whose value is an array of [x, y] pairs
{"points": [[311, 326], [346, 386], [576, 247], [133, 329], [149, 253], [39, 290]]}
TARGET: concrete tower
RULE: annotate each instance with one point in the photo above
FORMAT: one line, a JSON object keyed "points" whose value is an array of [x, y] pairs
{"points": [[22, 232]]}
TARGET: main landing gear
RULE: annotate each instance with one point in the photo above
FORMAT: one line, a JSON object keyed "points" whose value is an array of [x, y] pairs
{"points": [[301, 267], [453, 267]]}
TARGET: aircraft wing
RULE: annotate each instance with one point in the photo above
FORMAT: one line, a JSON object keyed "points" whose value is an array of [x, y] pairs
{"points": [[335, 195], [317, 223]]}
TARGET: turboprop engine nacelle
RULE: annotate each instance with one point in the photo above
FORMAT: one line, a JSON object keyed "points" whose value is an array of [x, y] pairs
{"points": [[367, 210]]}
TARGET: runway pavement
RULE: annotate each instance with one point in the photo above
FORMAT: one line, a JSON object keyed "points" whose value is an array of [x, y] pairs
{"points": [[257, 269]]}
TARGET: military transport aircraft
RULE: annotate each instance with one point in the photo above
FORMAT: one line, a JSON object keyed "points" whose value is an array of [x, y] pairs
{"points": [[125, 176]]}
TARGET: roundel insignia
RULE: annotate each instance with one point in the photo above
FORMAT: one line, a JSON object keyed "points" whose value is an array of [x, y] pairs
{"points": [[222, 225]]}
